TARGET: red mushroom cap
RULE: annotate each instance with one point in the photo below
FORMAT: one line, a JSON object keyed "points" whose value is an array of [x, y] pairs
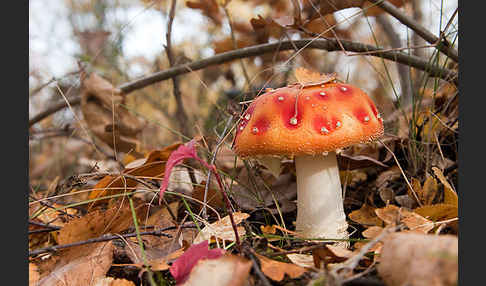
{"points": [[325, 118]]}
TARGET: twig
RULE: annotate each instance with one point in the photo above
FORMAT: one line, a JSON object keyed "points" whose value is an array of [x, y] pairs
{"points": [[216, 149], [180, 112], [256, 267], [159, 232], [53, 109], [323, 44], [442, 45], [235, 45], [402, 172], [352, 262], [330, 45], [403, 70]]}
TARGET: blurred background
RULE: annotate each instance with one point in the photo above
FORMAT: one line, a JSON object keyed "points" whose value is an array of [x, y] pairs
{"points": [[123, 40]]}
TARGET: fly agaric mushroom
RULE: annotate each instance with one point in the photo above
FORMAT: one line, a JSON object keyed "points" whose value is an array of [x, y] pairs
{"points": [[310, 122]]}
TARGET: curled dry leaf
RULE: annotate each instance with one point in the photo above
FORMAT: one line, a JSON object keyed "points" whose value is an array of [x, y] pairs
{"points": [[111, 123], [276, 270], [223, 229], [227, 270], [330, 254], [418, 260], [80, 265]]}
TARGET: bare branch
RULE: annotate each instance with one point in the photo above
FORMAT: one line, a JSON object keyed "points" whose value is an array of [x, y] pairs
{"points": [[322, 44], [442, 45], [53, 109], [180, 112]]}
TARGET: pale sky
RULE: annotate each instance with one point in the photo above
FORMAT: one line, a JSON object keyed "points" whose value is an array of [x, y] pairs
{"points": [[52, 44]]}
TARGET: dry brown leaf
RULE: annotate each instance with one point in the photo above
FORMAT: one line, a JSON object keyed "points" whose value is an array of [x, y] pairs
{"points": [[307, 77], [426, 193], [227, 270], [438, 212], [98, 222], [222, 229], [419, 260], [111, 123], [80, 265], [266, 28], [209, 8], [366, 216], [330, 254], [372, 232], [268, 229], [450, 196], [390, 214], [214, 196], [393, 215], [276, 270], [417, 223], [152, 166]]}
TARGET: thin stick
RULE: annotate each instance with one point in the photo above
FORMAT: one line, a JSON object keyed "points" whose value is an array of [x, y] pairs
{"points": [[403, 173], [330, 45], [323, 44], [216, 149], [54, 248], [180, 111]]}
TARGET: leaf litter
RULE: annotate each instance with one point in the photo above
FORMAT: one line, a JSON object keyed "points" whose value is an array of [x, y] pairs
{"points": [[408, 235]]}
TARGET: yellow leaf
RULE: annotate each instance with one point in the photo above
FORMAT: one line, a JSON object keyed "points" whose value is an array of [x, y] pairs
{"points": [[438, 212], [450, 196], [366, 216]]}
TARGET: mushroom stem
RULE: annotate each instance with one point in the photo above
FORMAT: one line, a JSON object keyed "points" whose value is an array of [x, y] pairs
{"points": [[320, 211]]}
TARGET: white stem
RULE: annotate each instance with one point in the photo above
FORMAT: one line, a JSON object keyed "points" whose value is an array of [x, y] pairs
{"points": [[320, 211]]}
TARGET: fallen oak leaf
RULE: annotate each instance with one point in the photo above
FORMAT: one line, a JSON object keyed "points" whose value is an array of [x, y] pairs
{"points": [[80, 265], [276, 270]]}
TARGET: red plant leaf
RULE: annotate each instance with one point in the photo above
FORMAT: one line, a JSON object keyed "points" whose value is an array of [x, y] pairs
{"points": [[181, 268], [185, 151]]}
